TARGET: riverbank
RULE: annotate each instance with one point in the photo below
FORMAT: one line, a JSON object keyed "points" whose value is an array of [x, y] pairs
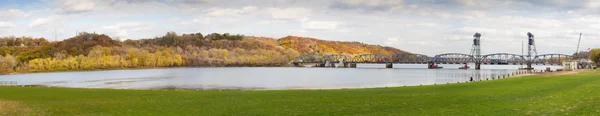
{"points": [[269, 78], [572, 94], [142, 68]]}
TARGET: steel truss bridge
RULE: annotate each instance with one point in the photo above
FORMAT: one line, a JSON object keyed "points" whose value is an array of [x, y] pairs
{"points": [[447, 58]]}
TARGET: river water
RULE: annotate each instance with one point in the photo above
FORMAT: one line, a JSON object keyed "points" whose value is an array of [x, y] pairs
{"points": [[271, 78]]}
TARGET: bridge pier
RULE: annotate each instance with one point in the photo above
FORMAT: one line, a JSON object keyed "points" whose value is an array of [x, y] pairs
{"points": [[352, 65], [389, 65], [477, 66]]}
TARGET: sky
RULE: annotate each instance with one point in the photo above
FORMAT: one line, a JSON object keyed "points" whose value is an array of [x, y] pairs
{"points": [[419, 26]]}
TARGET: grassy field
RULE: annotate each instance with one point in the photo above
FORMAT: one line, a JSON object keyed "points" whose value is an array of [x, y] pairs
{"points": [[575, 94]]}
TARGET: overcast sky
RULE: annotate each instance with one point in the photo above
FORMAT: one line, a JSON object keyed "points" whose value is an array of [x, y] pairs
{"points": [[420, 26]]}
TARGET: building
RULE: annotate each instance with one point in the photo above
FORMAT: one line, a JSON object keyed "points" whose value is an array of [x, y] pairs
{"points": [[570, 65]]}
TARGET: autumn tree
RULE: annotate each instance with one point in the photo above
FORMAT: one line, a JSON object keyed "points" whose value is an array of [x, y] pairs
{"points": [[595, 55], [7, 63]]}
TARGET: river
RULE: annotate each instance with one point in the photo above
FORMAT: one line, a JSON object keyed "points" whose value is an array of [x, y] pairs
{"points": [[269, 78]]}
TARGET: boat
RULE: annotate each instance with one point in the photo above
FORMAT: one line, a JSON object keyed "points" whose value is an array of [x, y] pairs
{"points": [[464, 67], [435, 67]]}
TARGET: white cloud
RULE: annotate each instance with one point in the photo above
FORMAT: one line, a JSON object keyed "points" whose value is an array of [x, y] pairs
{"points": [[271, 21], [202, 20], [320, 25], [444, 15], [471, 15], [445, 26], [594, 4], [374, 5], [184, 23], [5, 25], [390, 41], [230, 11], [489, 3], [125, 25], [12, 14], [297, 31], [40, 22], [300, 14], [191, 1], [413, 6], [427, 24], [122, 29], [75, 6], [586, 20]]}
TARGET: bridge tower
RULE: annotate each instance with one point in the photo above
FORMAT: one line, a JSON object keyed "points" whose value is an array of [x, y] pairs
{"points": [[476, 50], [531, 51]]}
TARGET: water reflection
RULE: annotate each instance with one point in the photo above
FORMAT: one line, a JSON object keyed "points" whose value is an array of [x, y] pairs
{"points": [[365, 76]]}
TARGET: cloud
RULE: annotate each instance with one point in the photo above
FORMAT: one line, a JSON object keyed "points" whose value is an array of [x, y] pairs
{"points": [[391, 41], [125, 25], [320, 25], [122, 29], [368, 5], [471, 15], [12, 14], [483, 3], [6, 25], [594, 4], [443, 25], [591, 7], [230, 11], [271, 21], [277, 14], [296, 13], [75, 6], [426, 24], [132, 1], [40, 22], [203, 20], [191, 1]]}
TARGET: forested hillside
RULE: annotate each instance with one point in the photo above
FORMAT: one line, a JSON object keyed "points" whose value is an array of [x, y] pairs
{"points": [[91, 51], [315, 46]]}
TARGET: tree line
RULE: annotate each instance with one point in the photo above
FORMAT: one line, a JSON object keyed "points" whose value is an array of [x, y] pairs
{"points": [[594, 55], [92, 51]]}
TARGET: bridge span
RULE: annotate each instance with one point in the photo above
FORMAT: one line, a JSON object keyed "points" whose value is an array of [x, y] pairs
{"points": [[532, 58]]}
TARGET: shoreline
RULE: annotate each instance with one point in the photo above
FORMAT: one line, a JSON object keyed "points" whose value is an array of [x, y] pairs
{"points": [[175, 88], [16, 73]]}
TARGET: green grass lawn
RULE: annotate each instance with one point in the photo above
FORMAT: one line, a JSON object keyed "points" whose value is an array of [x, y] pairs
{"points": [[576, 94]]}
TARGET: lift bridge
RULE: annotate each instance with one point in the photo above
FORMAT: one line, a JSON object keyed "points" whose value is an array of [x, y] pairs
{"points": [[531, 58]]}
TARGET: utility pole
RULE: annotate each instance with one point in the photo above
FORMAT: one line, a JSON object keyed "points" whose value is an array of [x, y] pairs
{"points": [[577, 51], [522, 51]]}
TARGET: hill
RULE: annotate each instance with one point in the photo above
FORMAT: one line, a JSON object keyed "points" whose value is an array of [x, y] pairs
{"points": [[91, 51], [316, 46]]}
